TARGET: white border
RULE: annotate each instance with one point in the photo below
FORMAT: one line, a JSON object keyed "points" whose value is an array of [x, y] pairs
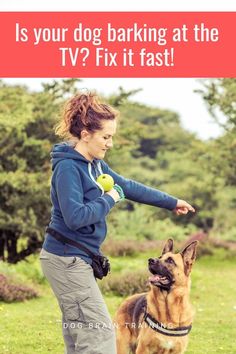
{"points": [[120, 5]]}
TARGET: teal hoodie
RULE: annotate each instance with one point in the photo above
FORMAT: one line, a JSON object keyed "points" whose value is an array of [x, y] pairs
{"points": [[79, 204]]}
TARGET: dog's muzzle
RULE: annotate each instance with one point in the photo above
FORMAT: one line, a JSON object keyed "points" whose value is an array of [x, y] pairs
{"points": [[161, 276]]}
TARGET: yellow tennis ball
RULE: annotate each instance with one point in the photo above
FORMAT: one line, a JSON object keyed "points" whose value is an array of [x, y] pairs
{"points": [[106, 181]]}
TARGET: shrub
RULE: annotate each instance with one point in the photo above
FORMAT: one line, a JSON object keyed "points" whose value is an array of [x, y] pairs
{"points": [[118, 248], [27, 270], [204, 249], [142, 224], [126, 284], [14, 292]]}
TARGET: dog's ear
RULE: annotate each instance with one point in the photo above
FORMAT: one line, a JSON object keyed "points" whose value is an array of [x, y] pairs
{"points": [[189, 255], [168, 246]]}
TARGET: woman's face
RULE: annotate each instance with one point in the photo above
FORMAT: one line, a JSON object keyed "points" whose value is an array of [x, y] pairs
{"points": [[100, 141]]}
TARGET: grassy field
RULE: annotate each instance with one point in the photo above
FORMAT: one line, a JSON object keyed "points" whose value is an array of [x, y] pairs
{"points": [[34, 326]]}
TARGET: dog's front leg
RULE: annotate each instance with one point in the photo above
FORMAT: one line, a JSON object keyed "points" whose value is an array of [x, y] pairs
{"points": [[142, 348], [123, 338]]}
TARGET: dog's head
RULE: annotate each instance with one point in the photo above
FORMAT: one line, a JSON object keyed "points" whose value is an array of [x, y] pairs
{"points": [[172, 269]]}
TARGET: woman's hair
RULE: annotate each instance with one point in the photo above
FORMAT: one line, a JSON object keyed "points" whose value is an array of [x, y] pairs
{"points": [[84, 111]]}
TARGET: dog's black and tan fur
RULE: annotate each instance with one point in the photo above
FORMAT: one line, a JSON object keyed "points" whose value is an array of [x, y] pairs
{"points": [[167, 302]]}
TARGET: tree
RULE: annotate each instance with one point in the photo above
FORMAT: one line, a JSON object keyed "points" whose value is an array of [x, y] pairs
{"points": [[220, 97], [26, 124]]}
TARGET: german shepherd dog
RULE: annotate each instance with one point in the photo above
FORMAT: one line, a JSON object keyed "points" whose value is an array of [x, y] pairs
{"points": [[158, 322]]}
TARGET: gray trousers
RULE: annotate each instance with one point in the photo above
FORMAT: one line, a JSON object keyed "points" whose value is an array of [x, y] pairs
{"points": [[86, 324]]}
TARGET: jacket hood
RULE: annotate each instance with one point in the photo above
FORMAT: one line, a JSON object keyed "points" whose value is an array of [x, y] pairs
{"points": [[64, 151]]}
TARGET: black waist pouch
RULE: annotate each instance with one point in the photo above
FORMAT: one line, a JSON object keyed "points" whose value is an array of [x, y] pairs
{"points": [[100, 264]]}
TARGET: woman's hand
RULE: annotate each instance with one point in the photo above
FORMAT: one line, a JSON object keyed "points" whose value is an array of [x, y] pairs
{"points": [[182, 207], [114, 194]]}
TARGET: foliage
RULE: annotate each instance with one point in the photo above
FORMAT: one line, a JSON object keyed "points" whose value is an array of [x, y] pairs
{"points": [[26, 123], [151, 147], [143, 223], [119, 248], [126, 284], [27, 271], [220, 97], [14, 292]]}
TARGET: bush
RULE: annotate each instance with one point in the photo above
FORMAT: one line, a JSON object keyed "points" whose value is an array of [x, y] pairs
{"points": [[141, 225], [119, 248], [27, 270], [126, 284], [14, 292], [204, 249]]}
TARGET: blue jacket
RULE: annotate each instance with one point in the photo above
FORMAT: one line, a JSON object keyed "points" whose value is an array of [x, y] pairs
{"points": [[80, 206]]}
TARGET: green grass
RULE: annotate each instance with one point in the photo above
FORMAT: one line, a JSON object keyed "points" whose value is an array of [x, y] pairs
{"points": [[34, 326], [214, 300]]}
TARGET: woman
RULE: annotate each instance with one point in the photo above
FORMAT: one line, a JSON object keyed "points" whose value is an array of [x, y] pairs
{"points": [[79, 210]]}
